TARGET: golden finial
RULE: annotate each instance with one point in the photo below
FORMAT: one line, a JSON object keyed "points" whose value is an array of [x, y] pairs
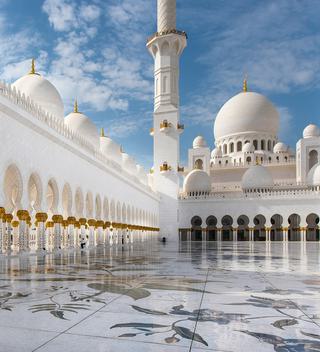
{"points": [[102, 132], [33, 67], [75, 107], [245, 84]]}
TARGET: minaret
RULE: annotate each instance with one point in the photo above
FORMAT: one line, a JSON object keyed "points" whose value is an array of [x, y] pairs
{"points": [[166, 46]]}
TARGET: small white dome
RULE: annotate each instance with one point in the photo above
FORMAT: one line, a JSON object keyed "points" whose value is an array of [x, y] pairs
{"points": [[81, 123], [197, 181], [248, 147], [257, 176], [313, 177], [216, 153], [246, 112], [280, 148], [41, 92], [199, 142], [129, 164], [311, 131], [111, 149]]}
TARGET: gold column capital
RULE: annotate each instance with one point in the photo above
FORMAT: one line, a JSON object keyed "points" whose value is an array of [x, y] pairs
{"points": [[23, 215]]}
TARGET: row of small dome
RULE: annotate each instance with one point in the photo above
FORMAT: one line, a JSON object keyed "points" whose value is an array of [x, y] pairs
{"points": [[311, 131], [200, 142], [257, 176], [45, 94]]}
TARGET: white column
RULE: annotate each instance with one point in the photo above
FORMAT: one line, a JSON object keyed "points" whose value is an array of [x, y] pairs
{"points": [[303, 232], [251, 234], [41, 231], [15, 236], [83, 232], [219, 234], [268, 234], [2, 215], [92, 224], [8, 233], [234, 234], [23, 216], [57, 221], [71, 231]]}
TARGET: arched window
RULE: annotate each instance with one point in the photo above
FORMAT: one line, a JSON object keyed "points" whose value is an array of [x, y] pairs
{"points": [[239, 146], [263, 145], [269, 145], [198, 164], [313, 158], [255, 143], [231, 147], [224, 149], [249, 159]]}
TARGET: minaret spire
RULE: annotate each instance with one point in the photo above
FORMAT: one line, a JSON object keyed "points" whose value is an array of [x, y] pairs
{"points": [[33, 67], [166, 15], [245, 84], [75, 106], [166, 47]]}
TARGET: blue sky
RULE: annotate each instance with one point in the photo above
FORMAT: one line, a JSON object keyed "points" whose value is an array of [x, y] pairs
{"points": [[95, 51]]}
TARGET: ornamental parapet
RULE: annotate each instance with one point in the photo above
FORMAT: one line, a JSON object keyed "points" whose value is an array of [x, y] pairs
{"points": [[298, 191]]}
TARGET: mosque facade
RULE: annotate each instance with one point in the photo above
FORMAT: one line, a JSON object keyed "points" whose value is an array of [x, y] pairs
{"points": [[64, 184]]}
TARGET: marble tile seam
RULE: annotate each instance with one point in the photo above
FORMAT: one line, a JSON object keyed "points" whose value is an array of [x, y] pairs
{"points": [[200, 304]]}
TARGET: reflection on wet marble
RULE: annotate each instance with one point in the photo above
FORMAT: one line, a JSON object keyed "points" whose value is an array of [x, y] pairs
{"points": [[163, 297]]}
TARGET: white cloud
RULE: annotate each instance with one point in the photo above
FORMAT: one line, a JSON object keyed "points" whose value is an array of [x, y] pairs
{"points": [[61, 14]]}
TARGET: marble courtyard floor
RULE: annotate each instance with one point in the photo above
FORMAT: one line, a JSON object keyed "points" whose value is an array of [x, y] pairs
{"points": [[155, 297]]}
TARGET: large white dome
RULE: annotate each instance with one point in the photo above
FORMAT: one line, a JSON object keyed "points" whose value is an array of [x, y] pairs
{"points": [[257, 176], [111, 149], [246, 112], [197, 181], [42, 92], [81, 123], [313, 177]]}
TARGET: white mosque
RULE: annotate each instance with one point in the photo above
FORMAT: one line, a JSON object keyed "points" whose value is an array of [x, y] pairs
{"points": [[65, 185]]}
